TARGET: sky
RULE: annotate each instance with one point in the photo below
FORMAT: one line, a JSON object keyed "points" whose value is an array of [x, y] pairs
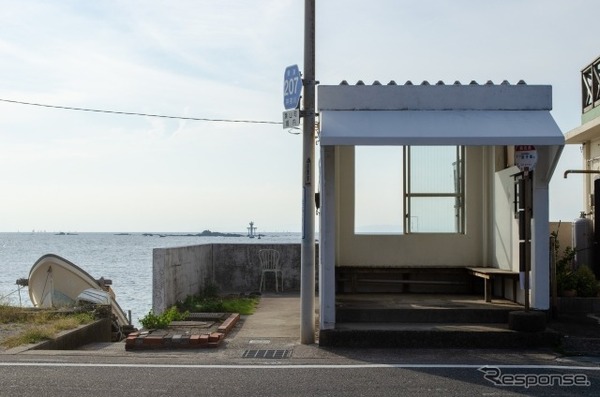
{"points": [[74, 171]]}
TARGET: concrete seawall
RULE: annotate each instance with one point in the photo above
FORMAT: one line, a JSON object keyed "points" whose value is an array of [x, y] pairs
{"points": [[233, 268]]}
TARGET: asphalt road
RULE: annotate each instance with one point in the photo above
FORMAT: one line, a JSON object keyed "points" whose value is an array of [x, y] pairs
{"points": [[64, 376]]}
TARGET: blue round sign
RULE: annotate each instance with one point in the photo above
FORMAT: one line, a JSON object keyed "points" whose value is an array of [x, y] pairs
{"points": [[292, 87]]}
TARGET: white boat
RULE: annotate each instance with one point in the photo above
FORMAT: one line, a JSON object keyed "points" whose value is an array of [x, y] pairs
{"points": [[57, 282]]}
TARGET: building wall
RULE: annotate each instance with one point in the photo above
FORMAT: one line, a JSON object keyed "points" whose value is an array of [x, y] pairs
{"points": [[422, 249], [590, 115]]}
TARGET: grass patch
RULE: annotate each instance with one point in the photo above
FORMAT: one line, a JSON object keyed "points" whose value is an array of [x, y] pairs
{"points": [[209, 301], [72, 321], [200, 304], [32, 334], [11, 314], [240, 305], [33, 326]]}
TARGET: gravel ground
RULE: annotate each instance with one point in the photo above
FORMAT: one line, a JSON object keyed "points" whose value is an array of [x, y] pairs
{"points": [[8, 330]]}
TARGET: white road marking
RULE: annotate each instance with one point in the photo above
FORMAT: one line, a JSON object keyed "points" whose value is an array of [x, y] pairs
{"points": [[300, 366]]}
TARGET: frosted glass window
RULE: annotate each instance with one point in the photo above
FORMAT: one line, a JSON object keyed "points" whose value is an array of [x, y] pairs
{"points": [[433, 215], [432, 169], [434, 189]]}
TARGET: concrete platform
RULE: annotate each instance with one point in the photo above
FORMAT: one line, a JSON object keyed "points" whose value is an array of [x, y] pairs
{"points": [[393, 320], [428, 321], [421, 308]]}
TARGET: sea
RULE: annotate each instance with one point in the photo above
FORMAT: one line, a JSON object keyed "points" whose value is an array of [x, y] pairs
{"points": [[124, 258]]}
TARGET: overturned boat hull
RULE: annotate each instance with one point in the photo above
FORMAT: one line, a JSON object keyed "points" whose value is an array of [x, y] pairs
{"points": [[57, 282]]}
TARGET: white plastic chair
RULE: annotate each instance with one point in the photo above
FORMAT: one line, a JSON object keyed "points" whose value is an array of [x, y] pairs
{"points": [[269, 262]]}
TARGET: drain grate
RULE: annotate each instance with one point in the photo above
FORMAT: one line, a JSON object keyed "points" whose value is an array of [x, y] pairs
{"points": [[267, 353]]}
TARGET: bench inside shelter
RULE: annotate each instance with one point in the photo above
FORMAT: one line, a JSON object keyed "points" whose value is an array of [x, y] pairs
{"points": [[442, 280], [366, 279], [489, 275]]}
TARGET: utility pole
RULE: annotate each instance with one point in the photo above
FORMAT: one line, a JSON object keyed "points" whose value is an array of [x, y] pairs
{"points": [[307, 261]]}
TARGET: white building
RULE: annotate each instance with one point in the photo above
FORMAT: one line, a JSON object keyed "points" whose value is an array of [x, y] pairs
{"points": [[455, 182], [588, 136]]}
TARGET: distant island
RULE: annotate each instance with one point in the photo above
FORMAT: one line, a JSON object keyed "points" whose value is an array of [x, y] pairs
{"points": [[205, 233], [208, 233]]}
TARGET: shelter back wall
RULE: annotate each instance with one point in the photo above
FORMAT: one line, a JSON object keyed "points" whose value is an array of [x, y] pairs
{"points": [[421, 249]]}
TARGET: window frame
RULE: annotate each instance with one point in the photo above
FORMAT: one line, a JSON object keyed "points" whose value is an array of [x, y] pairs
{"points": [[406, 195]]}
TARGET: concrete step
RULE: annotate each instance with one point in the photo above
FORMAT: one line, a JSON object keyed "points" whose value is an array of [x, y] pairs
{"points": [[424, 315], [385, 335]]}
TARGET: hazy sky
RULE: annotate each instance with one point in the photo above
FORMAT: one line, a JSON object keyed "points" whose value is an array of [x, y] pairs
{"points": [[65, 170]]}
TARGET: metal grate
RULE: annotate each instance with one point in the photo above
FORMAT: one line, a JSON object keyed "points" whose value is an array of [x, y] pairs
{"points": [[268, 353]]}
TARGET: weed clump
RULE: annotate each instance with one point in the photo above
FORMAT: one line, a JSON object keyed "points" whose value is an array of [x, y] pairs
{"points": [[158, 321]]}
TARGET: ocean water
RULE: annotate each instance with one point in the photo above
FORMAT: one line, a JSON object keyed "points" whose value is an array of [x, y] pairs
{"points": [[124, 259]]}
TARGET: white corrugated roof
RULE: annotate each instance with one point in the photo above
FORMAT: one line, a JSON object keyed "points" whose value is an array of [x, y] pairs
{"points": [[437, 114]]}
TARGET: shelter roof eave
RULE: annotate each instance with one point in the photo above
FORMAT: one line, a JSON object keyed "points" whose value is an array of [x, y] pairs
{"points": [[440, 127]]}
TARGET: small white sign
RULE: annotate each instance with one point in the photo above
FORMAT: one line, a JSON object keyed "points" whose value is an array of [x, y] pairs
{"points": [[525, 157], [291, 118]]}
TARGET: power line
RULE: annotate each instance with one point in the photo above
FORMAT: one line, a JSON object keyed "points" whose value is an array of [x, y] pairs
{"points": [[139, 114]]}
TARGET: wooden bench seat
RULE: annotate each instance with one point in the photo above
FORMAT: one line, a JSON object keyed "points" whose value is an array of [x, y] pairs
{"points": [[351, 278], [439, 282], [488, 274]]}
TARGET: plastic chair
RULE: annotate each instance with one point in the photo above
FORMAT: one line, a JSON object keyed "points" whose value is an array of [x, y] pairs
{"points": [[269, 261]]}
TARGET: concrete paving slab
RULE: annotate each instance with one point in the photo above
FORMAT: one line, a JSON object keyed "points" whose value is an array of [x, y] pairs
{"points": [[277, 316]]}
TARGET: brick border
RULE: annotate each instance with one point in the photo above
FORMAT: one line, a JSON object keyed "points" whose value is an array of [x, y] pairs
{"points": [[144, 340], [229, 323]]}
